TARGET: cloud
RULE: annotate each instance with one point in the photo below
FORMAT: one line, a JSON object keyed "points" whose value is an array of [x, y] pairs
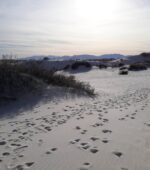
{"points": [[52, 41], [56, 25], [9, 45], [32, 44]]}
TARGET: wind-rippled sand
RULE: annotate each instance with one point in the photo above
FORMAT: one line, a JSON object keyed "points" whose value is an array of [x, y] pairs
{"points": [[109, 132]]}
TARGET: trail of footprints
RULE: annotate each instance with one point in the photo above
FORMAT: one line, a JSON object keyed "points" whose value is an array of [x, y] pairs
{"points": [[25, 130], [121, 103], [22, 131], [88, 145]]}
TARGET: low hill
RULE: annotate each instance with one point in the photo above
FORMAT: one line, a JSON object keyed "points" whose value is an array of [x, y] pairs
{"points": [[75, 57]]}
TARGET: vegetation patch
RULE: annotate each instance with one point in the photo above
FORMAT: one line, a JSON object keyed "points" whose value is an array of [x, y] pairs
{"points": [[137, 67], [102, 66], [77, 64], [18, 78], [66, 67], [123, 72], [14, 83]]}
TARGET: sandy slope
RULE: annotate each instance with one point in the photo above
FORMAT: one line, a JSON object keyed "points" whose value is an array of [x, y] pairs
{"points": [[110, 132]]}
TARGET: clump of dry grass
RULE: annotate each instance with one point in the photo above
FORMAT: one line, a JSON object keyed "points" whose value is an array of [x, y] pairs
{"points": [[18, 77], [14, 83]]}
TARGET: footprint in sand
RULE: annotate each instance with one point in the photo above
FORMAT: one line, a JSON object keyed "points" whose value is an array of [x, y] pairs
{"points": [[6, 154], [24, 133], [20, 156], [47, 152], [105, 141], [94, 150], [48, 128], [122, 118], [29, 164], [105, 120], [148, 124], [15, 144], [21, 167], [78, 127], [54, 149], [74, 141], [119, 154], [90, 113], [99, 110], [18, 167], [85, 166], [84, 145], [83, 132], [94, 138], [98, 124], [2, 142], [106, 131]]}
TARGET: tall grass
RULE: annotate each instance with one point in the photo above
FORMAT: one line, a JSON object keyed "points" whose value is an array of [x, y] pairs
{"points": [[17, 76]]}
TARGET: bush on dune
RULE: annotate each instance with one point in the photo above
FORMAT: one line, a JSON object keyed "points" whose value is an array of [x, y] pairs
{"points": [[70, 82], [66, 67], [102, 66], [50, 77], [123, 72], [14, 83], [18, 78], [77, 64], [145, 54], [137, 67]]}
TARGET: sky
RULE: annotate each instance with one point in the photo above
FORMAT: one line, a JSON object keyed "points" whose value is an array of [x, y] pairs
{"points": [[68, 27]]}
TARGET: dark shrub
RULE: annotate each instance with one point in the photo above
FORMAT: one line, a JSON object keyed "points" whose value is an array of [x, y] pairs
{"points": [[137, 67], [123, 72], [101, 66], [121, 64], [77, 64], [145, 54], [14, 83], [123, 68], [67, 67], [16, 77], [45, 58]]}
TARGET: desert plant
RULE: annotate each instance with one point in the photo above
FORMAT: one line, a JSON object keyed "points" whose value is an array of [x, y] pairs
{"points": [[137, 67], [45, 58], [121, 64], [14, 83], [77, 64], [145, 54], [18, 77], [102, 66], [123, 68], [66, 67], [123, 72]]}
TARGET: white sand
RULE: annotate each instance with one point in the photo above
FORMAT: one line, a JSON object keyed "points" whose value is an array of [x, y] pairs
{"points": [[110, 132]]}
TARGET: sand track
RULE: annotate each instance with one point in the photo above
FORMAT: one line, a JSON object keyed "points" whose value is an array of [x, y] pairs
{"points": [[110, 132]]}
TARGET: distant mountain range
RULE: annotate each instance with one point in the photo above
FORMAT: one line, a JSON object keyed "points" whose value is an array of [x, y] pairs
{"points": [[76, 57]]}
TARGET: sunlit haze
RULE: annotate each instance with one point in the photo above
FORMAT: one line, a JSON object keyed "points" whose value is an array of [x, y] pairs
{"points": [[68, 27]]}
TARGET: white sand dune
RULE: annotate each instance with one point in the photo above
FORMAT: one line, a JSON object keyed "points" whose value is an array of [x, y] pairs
{"points": [[109, 132], [132, 59]]}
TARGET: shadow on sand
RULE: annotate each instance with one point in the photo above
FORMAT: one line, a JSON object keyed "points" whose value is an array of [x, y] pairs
{"points": [[32, 100], [81, 69]]}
